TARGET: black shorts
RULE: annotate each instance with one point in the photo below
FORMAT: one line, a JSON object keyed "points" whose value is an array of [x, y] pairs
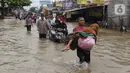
{"points": [[84, 55], [42, 35], [28, 27]]}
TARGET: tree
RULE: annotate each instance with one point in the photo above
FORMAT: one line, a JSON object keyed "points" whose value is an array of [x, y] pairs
{"points": [[18, 3], [33, 9], [2, 10]]}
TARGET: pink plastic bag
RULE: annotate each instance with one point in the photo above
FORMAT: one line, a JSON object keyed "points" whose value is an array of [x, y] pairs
{"points": [[86, 43]]}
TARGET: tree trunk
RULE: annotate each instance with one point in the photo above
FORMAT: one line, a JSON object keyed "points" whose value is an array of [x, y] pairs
{"points": [[2, 11]]}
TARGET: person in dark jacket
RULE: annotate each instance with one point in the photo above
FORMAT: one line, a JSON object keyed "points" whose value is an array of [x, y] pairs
{"points": [[62, 25]]}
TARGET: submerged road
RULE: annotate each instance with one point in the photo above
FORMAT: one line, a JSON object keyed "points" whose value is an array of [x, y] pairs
{"points": [[22, 52]]}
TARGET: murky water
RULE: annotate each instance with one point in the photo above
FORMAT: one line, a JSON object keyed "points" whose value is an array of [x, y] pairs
{"points": [[22, 52]]}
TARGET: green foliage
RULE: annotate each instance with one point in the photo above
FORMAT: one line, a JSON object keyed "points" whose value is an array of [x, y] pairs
{"points": [[19, 2], [33, 9]]}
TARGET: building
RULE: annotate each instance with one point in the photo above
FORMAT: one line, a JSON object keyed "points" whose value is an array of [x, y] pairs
{"points": [[45, 2], [114, 21]]}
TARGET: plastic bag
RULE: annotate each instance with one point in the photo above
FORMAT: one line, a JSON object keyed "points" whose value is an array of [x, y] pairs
{"points": [[86, 43]]}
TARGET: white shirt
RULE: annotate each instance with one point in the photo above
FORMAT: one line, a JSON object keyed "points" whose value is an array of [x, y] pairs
{"points": [[53, 22]]}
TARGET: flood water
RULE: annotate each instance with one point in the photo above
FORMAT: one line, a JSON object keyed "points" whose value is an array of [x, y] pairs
{"points": [[23, 52]]}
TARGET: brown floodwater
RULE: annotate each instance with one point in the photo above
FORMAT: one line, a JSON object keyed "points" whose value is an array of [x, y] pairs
{"points": [[23, 52]]}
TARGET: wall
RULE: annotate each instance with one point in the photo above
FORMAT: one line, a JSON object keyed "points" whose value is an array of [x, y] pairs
{"points": [[112, 17]]}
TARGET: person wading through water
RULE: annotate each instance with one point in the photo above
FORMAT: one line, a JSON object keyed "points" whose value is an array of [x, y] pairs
{"points": [[85, 40], [28, 23], [83, 55], [42, 27]]}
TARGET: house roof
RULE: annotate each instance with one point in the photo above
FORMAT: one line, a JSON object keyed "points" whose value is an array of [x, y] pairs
{"points": [[76, 9]]}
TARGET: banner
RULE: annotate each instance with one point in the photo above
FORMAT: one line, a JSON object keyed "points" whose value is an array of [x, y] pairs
{"points": [[81, 1], [68, 5], [98, 1], [59, 4], [107, 2]]}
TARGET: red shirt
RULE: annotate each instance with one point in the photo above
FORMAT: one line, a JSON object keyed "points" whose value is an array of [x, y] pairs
{"points": [[61, 19], [79, 28]]}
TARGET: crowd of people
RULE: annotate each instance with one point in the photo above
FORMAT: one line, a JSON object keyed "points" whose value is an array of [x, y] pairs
{"points": [[46, 23]]}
